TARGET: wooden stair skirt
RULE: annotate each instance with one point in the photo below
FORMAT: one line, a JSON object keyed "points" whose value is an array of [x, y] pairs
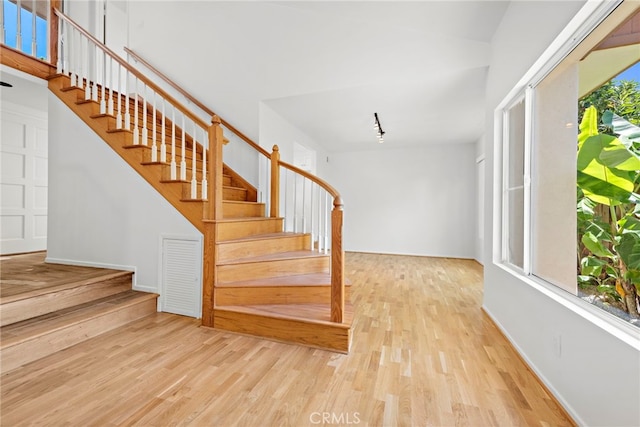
{"points": [[268, 282], [38, 323]]}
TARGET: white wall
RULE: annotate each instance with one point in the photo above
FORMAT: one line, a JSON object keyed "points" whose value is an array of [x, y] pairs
{"points": [[593, 373], [101, 212], [408, 201]]}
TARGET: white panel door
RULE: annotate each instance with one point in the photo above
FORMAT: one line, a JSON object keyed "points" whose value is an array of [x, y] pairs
{"points": [[181, 276], [23, 181]]}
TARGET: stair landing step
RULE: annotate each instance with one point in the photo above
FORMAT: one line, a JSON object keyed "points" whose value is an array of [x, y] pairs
{"points": [[313, 279], [33, 339], [307, 313], [280, 256], [306, 324], [36, 327], [43, 288]]}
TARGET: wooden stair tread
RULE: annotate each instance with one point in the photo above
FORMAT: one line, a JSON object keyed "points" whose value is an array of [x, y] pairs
{"points": [[241, 202], [100, 275], [33, 328], [311, 279], [307, 313], [244, 219], [266, 236], [276, 257]]}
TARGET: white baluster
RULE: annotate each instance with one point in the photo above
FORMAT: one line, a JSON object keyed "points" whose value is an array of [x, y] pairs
{"points": [[194, 182], [326, 222], [295, 203], [61, 35], [72, 57], [103, 95], [304, 203], [85, 68], [119, 95], [2, 29], [145, 131], [94, 67], [163, 143], [204, 168], [33, 29], [286, 196], [110, 103], [154, 145], [127, 114], [319, 220], [312, 189], [18, 25], [136, 130], [48, 34], [183, 162], [173, 144]]}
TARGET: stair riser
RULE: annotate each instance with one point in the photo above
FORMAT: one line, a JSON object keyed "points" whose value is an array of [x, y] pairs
{"points": [[275, 295], [28, 308], [277, 268], [20, 354], [234, 194], [329, 337], [234, 250], [242, 210], [238, 229]]}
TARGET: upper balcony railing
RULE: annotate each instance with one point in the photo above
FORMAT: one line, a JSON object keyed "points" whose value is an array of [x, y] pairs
{"points": [[29, 27]]}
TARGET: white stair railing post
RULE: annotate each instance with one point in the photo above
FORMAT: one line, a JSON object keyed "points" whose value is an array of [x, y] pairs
{"points": [[163, 144], [18, 25], [119, 95], [136, 129], [183, 161], [173, 144], [60, 67], [145, 101], [103, 94], [2, 28], [34, 46], [110, 108], [127, 114], [154, 138], [84, 47], [205, 184], [194, 182], [93, 61]]}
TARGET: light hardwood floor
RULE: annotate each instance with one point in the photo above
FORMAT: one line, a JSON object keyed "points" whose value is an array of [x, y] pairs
{"points": [[423, 354]]}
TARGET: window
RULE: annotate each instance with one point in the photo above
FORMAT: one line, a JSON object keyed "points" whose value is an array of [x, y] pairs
{"points": [[539, 127], [24, 31]]}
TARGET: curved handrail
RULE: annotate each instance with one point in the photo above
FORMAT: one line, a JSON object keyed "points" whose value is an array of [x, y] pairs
{"points": [[131, 69], [334, 193], [196, 102]]}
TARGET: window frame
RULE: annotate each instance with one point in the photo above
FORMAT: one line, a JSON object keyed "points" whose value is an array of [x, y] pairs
{"points": [[581, 26]]}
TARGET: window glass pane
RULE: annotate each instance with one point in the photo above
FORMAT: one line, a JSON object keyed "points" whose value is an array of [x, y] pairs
{"points": [[514, 183]]}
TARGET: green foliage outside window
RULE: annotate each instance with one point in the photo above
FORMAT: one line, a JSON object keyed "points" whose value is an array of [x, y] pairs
{"points": [[608, 194]]}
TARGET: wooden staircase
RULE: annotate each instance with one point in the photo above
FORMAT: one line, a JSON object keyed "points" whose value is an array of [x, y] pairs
{"points": [[56, 313], [259, 280]]}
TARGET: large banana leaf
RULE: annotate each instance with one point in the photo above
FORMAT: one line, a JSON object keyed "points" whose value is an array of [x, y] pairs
{"points": [[606, 168]]}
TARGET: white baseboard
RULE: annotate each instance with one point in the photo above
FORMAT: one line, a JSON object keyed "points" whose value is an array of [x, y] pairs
{"points": [[559, 398]]}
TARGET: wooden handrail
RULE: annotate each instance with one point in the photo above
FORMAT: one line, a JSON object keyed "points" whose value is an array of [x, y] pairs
{"points": [[334, 193], [196, 102], [135, 72]]}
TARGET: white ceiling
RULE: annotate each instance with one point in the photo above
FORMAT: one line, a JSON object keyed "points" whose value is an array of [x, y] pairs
{"points": [[326, 67]]}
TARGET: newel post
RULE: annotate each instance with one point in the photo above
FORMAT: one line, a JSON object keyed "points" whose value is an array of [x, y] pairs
{"points": [[337, 262], [214, 174], [212, 212], [53, 31], [275, 182]]}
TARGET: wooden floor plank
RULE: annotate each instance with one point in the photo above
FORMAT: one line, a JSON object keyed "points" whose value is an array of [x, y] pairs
{"points": [[423, 353]]}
